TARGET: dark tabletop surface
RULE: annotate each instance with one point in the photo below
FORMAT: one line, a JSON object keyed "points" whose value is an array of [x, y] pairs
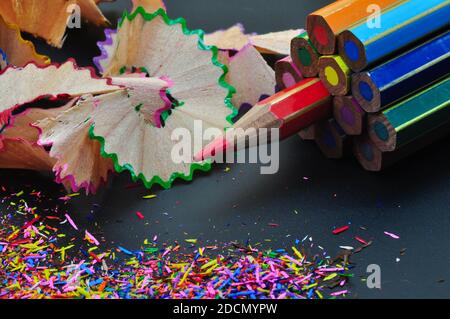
{"points": [[411, 199]]}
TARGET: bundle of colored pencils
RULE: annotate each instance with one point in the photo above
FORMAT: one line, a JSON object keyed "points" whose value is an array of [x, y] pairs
{"points": [[387, 67], [372, 76]]}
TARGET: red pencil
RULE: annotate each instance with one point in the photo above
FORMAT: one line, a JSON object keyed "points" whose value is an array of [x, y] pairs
{"points": [[290, 110]]}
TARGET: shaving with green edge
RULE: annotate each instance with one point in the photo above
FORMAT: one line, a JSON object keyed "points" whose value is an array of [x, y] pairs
{"points": [[197, 91]]}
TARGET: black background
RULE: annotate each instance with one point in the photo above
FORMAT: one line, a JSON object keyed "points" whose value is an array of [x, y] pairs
{"points": [[410, 199]]}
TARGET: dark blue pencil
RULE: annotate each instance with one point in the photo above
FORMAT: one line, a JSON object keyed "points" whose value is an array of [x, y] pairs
{"points": [[404, 75]]}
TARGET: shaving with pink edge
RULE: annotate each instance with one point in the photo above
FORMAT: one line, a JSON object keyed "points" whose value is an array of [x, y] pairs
{"points": [[78, 159], [105, 105], [37, 85], [32, 83], [19, 147]]}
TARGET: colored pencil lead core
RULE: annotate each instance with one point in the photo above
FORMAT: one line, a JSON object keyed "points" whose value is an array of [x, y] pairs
{"points": [[335, 74]]}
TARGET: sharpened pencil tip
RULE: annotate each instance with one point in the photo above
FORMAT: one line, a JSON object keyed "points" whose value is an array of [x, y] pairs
{"points": [[217, 146]]}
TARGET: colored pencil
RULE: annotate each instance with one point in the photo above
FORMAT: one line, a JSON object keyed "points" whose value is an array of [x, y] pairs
{"points": [[286, 73], [373, 159], [307, 134], [325, 24], [331, 139], [305, 56], [335, 74], [403, 75], [405, 121], [402, 26], [289, 111], [349, 114]]}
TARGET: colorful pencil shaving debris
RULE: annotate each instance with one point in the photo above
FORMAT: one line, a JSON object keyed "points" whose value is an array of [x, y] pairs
{"points": [[340, 230], [39, 260], [394, 236]]}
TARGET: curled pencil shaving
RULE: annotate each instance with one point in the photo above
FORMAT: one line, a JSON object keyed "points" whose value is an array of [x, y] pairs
{"points": [[19, 51], [107, 48], [33, 82], [148, 5], [35, 85], [250, 74], [17, 153], [141, 92], [19, 148], [21, 125], [49, 19], [77, 158], [235, 38], [167, 51], [146, 147]]}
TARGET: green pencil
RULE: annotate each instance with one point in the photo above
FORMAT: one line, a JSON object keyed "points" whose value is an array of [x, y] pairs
{"points": [[372, 159], [411, 118], [304, 55]]}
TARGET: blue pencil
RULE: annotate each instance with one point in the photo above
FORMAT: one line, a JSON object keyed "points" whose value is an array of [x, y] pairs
{"points": [[404, 75], [366, 44]]}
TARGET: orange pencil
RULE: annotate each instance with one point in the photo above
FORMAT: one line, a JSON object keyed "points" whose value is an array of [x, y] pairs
{"points": [[324, 25]]}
